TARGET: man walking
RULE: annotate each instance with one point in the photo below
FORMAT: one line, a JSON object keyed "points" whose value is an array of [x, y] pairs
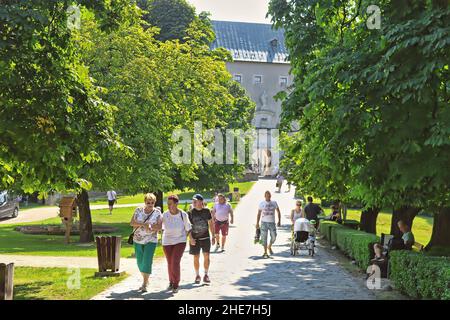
{"points": [[266, 213], [280, 180], [202, 223], [112, 199], [221, 212], [312, 211]]}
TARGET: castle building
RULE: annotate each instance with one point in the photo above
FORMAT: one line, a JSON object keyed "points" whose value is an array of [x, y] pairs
{"points": [[260, 64]]}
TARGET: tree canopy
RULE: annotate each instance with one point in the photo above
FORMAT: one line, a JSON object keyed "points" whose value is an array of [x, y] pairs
{"points": [[373, 104], [172, 17]]}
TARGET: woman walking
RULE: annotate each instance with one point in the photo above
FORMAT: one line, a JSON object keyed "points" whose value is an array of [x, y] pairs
{"points": [[176, 228], [297, 212], [147, 222]]}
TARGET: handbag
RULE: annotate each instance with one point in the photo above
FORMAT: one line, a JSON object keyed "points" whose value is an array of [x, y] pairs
{"points": [[130, 238]]}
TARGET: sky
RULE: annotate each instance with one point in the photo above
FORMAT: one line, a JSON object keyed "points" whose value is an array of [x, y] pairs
{"points": [[234, 10]]}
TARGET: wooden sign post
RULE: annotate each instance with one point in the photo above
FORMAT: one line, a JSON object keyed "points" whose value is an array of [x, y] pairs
{"points": [[67, 212], [6, 281]]}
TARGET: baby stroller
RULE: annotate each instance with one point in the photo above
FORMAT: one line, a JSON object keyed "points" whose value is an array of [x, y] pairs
{"points": [[303, 236]]}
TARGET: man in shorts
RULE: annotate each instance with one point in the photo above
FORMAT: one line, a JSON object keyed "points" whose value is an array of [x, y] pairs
{"points": [[112, 199], [222, 212], [266, 213], [202, 223]]}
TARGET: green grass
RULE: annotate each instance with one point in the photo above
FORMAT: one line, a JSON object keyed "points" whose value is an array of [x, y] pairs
{"points": [[32, 283], [31, 205], [244, 188], [422, 225], [13, 242]]}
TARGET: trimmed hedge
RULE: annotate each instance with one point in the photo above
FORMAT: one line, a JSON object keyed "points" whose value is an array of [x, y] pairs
{"points": [[420, 276], [354, 243]]}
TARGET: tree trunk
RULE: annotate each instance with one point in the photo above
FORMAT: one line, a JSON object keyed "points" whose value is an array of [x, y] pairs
{"points": [[86, 234], [344, 212], [159, 200], [368, 221], [406, 214], [441, 229]]}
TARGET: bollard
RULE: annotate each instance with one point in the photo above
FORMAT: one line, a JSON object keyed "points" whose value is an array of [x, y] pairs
{"points": [[6, 281]]}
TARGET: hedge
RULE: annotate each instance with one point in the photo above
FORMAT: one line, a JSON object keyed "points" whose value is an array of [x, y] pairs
{"points": [[352, 242], [420, 276]]}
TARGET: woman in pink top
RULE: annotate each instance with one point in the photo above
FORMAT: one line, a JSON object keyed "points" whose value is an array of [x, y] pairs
{"points": [[221, 213]]}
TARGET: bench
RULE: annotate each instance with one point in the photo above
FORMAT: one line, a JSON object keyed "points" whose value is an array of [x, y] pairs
{"points": [[384, 263]]}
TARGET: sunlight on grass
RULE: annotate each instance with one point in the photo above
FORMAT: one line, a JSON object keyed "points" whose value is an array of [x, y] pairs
{"points": [[14, 242], [422, 225], [32, 283]]}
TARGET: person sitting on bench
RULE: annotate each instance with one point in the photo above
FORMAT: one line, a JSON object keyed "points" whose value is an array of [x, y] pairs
{"points": [[381, 251], [407, 237]]}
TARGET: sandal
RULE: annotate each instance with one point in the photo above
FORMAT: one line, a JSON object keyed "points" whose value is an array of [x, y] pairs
{"points": [[265, 256]]}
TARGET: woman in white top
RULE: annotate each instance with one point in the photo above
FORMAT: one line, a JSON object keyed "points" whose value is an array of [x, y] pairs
{"points": [[297, 212], [147, 222], [177, 228]]}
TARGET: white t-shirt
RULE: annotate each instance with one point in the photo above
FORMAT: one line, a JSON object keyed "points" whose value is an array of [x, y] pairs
{"points": [[175, 228], [111, 195], [142, 236], [268, 210], [222, 211]]}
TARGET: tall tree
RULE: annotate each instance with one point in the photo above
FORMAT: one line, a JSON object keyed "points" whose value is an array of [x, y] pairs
{"points": [[52, 122], [372, 104], [173, 17], [158, 87]]}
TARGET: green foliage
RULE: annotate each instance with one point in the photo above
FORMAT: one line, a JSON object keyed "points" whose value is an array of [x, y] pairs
{"points": [[158, 87], [355, 244], [173, 17], [372, 104], [420, 276], [52, 122], [352, 242]]}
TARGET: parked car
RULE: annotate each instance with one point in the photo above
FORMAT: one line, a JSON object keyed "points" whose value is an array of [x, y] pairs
{"points": [[9, 205]]}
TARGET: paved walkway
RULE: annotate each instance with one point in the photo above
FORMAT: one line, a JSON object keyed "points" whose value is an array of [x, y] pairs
{"points": [[241, 272]]}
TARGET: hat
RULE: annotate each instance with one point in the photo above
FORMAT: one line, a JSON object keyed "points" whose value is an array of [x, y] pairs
{"points": [[197, 196]]}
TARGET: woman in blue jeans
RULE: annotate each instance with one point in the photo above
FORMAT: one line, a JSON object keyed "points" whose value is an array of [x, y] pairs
{"points": [[147, 221], [266, 213]]}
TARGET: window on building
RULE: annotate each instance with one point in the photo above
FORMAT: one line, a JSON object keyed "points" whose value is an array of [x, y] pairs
{"points": [[238, 78], [283, 81], [257, 79]]}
